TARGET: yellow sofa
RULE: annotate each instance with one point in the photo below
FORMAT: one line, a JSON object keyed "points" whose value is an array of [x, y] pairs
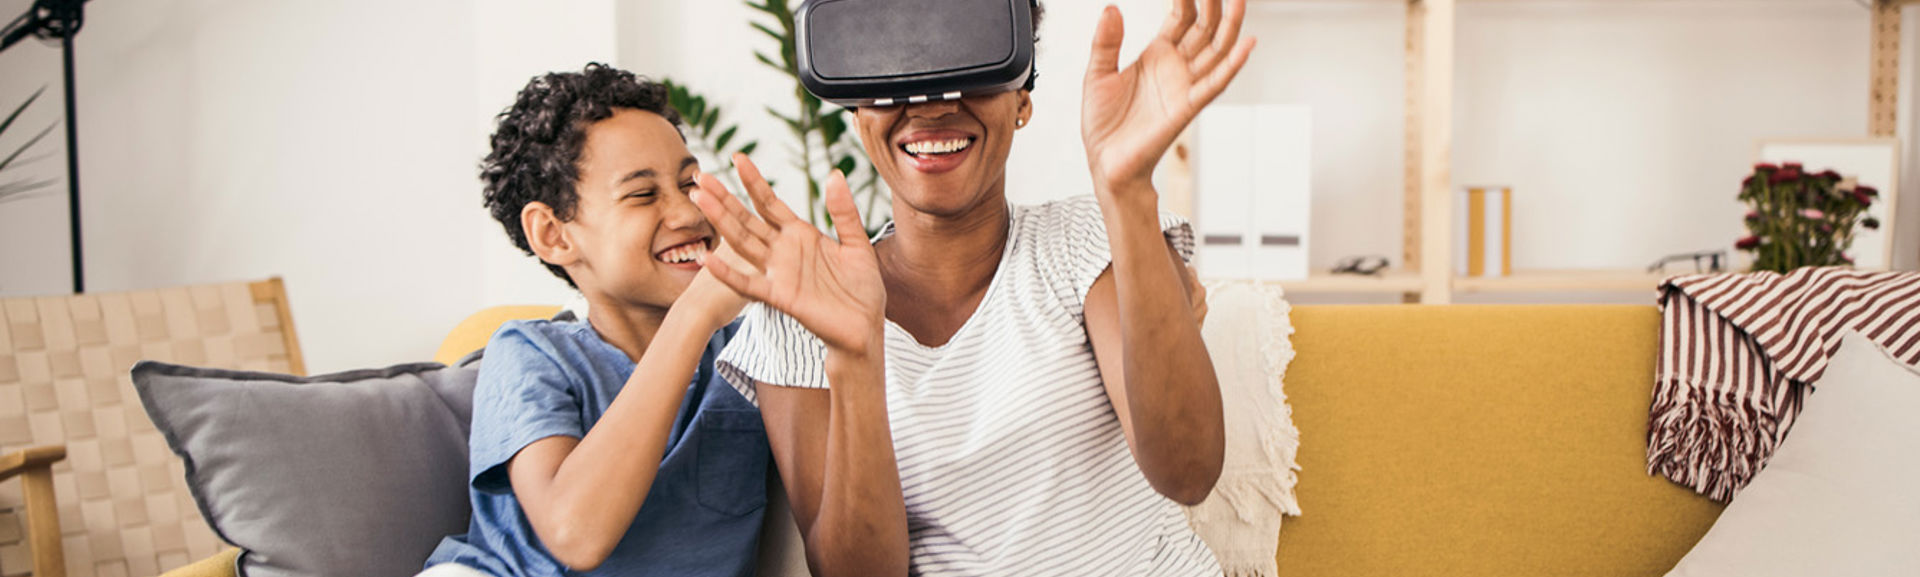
{"points": [[1451, 441]]}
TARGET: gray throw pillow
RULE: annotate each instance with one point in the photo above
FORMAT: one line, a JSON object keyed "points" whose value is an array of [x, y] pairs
{"points": [[356, 473]]}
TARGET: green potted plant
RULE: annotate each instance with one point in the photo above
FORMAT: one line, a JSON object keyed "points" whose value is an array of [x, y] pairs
{"points": [[1800, 219], [12, 189], [820, 131]]}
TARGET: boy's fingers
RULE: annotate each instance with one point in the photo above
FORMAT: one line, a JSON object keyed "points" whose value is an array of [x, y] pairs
{"points": [[846, 215], [765, 201]]}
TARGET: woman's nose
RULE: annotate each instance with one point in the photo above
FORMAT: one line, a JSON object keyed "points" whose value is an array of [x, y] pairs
{"points": [[932, 109]]}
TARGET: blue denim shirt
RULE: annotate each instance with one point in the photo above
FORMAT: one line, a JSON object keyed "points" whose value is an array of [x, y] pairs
{"points": [[541, 379]]}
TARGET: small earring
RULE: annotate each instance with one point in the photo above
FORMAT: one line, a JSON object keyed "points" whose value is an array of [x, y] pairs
{"points": [[1019, 123]]}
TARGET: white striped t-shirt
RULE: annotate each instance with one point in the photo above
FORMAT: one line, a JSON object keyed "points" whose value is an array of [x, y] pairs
{"points": [[1011, 455]]}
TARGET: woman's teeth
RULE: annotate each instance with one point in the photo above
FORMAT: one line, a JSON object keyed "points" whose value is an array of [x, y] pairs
{"points": [[691, 252], [933, 147]]}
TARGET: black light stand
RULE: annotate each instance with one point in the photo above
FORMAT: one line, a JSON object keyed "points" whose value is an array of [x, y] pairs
{"points": [[59, 20]]}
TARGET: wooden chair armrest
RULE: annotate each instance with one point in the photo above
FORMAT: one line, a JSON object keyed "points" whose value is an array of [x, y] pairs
{"points": [[21, 461]]}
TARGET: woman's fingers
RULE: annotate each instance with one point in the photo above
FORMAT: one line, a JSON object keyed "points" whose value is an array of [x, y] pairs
{"points": [[732, 221], [1206, 88], [1107, 35], [1178, 21], [1196, 37], [765, 201], [847, 223], [751, 286], [1222, 42]]}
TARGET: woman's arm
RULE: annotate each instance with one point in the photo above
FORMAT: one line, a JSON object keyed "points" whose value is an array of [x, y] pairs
{"points": [[1158, 375], [581, 495], [835, 446], [1144, 331]]}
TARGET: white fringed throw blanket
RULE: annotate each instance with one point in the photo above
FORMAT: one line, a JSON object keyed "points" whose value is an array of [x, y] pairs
{"points": [[1248, 335]]}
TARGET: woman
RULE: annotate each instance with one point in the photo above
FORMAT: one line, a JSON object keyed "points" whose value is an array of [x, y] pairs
{"points": [[985, 389]]}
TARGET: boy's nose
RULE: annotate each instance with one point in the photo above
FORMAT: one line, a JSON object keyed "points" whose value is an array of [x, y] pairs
{"points": [[680, 212]]}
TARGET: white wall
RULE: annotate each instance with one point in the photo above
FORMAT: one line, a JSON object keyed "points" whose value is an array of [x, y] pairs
{"points": [[1624, 126], [33, 231], [334, 143]]}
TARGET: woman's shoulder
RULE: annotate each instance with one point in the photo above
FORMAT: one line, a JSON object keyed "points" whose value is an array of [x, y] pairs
{"points": [[1076, 224]]}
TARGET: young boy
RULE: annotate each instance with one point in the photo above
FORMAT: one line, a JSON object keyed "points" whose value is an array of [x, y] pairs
{"points": [[583, 462]]}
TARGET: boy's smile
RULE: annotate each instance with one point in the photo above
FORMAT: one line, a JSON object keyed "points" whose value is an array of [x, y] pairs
{"points": [[638, 239]]}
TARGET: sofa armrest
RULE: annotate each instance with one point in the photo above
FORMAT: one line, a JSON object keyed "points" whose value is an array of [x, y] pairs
{"points": [[221, 564], [34, 467]]}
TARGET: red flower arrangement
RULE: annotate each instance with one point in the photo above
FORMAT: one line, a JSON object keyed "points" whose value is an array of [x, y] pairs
{"points": [[1800, 219]]}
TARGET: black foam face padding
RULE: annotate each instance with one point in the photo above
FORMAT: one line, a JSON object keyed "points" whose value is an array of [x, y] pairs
{"points": [[865, 52]]}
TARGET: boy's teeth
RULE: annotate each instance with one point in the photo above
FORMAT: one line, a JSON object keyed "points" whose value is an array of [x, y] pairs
{"points": [[692, 253]]}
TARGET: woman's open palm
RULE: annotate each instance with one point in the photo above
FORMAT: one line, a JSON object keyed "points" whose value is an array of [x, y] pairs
{"points": [[832, 286], [1130, 116]]}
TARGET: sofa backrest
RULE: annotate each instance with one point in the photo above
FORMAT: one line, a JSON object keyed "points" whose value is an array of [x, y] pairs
{"points": [[1478, 441]]}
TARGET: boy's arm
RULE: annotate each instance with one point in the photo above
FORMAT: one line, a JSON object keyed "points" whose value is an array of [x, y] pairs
{"points": [[581, 495]]}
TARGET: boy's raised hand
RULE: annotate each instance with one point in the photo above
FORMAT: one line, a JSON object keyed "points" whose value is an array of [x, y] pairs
{"points": [[831, 286], [711, 298]]}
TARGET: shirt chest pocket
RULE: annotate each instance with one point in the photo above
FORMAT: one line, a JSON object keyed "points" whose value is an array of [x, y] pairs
{"points": [[731, 465]]}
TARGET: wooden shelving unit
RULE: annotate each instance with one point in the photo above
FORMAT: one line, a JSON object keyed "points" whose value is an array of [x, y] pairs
{"points": [[1389, 282], [1427, 275]]}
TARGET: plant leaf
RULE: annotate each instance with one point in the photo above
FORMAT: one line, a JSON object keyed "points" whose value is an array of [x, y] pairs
{"points": [[749, 147], [720, 142], [832, 127], [23, 108], [846, 164], [764, 59], [23, 148], [22, 190], [776, 36]]}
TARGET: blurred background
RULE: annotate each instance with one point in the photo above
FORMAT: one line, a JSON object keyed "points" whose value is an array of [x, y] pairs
{"points": [[335, 142]]}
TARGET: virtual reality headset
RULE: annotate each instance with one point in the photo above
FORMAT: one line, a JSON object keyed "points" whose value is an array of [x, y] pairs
{"points": [[886, 52]]}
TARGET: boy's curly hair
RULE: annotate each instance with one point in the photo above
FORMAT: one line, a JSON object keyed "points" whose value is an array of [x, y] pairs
{"points": [[536, 147]]}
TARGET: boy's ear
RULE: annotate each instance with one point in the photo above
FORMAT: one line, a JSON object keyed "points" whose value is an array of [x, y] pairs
{"points": [[546, 236]]}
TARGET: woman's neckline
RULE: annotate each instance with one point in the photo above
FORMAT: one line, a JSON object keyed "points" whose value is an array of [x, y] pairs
{"points": [[993, 287]]}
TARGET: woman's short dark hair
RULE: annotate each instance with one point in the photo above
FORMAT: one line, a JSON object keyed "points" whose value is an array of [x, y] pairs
{"points": [[1038, 11], [536, 146]]}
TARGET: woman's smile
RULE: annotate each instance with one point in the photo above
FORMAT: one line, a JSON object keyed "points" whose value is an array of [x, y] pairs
{"points": [[935, 151]]}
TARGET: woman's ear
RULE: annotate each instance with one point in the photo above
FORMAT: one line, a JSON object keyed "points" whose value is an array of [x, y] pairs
{"points": [[1026, 109], [545, 235]]}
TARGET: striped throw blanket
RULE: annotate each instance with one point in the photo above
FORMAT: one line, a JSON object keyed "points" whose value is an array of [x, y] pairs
{"points": [[1739, 354]]}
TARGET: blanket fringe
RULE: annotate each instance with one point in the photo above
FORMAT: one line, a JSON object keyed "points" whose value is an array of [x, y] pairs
{"points": [[1712, 444]]}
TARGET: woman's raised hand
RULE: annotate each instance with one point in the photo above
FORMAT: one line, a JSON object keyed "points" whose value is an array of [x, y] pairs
{"points": [[831, 286], [1129, 117]]}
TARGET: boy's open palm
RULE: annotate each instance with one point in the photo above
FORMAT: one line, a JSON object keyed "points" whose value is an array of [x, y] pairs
{"points": [[832, 286]]}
